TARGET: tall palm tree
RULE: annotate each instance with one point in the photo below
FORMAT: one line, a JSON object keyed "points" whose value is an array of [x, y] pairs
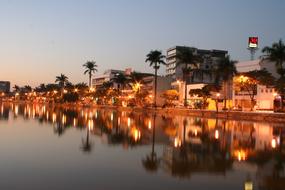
{"points": [[186, 57], [276, 53], [90, 67], [155, 58], [224, 72], [61, 80]]}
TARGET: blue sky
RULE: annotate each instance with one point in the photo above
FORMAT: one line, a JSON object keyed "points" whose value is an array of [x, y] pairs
{"points": [[42, 38]]}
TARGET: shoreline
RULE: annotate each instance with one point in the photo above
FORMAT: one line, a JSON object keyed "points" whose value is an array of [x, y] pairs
{"points": [[230, 115]]}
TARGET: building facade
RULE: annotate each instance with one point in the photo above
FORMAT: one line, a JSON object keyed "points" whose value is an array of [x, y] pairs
{"points": [[209, 61], [201, 75], [107, 76], [5, 86], [264, 96], [163, 84]]}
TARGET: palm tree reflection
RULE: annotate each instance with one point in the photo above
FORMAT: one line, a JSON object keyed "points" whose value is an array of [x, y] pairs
{"points": [[151, 162], [86, 144]]}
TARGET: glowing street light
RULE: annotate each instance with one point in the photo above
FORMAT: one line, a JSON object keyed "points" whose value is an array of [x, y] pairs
{"points": [[91, 89]]}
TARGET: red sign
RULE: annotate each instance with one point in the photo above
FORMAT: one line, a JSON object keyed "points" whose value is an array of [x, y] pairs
{"points": [[253, 42]]}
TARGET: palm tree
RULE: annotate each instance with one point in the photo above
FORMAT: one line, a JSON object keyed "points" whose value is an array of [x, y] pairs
{"points": [[276, 53], [224, 72], [62, 80], [155, 58], [186, 57], [90, 67], [16, 88], [27, 88], [121, 80]]}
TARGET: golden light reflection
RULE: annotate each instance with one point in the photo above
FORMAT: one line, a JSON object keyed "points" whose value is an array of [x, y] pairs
{"points": [[63, 119], [136, 134], [90, 124], [129, 122], [217, 135], [53, 117], [273, 143], [119, 121], [177, 142], [149, 124], [195, 132], [112, 117], [74, 122], [240, 155], [16, 110]]}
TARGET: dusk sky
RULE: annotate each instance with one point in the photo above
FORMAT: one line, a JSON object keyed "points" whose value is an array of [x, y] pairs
{"points": [[41, 39]]}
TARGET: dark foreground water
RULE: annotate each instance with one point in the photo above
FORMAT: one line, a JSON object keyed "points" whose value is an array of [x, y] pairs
{"points": [[47, 148]]}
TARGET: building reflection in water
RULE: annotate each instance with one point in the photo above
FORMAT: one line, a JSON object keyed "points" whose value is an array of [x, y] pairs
{"points": [[189, 145]]}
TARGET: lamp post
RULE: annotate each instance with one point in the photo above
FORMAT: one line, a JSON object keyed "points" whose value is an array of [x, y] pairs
{"points": [[217, 98]]}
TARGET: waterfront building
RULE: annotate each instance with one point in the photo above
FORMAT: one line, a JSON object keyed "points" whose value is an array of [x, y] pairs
{"points": [[200, 75], [5, 86], [264, 95], [209, 60], [163, 84], [107, 76]]}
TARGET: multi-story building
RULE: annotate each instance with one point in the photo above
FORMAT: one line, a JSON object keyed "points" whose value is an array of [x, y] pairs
{"points": [[107, 76], [163, 84], [209, 59], [201, 75], [5, 86]]}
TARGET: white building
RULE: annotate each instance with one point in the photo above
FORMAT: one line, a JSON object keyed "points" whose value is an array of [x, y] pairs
{"points": [[107, 76], [264, 96]]}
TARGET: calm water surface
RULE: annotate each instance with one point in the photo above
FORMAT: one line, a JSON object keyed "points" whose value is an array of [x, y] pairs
{"points": [[43, 147]]}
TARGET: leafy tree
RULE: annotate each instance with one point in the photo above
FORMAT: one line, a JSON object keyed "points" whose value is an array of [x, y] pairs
{"points": [[170, 96], [248, 82], [155, 58], [205, 93]]}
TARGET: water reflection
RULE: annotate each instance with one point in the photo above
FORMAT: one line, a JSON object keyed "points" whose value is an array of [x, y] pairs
{"points": [[179, 146]]}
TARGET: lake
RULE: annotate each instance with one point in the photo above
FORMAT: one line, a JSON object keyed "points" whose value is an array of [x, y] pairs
{"points": [[44, 147]]}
